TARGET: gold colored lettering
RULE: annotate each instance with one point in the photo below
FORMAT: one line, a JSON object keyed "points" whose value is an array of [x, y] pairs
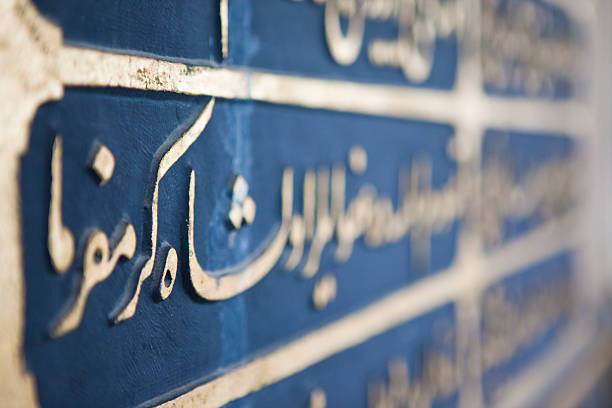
{"points": [[98, 264], [344, 49], [324, 292], [438, 379], [60, 239], [231, 281], [296, 239], [324, 228], [318, 399], [310, 180], [168, 159], [169, 275], [224, 19], [103, 164]]}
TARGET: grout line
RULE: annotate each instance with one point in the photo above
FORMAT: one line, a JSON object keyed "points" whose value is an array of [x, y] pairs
{"points": [[537, 245], [89, 67], [592, 367]]}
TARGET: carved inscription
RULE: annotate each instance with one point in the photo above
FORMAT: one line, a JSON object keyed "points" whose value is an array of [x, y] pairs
{"points": [[420, 211], [522, 49]]}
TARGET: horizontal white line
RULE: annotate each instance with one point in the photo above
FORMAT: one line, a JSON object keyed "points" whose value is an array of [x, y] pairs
{"points": [[521, 391], [384, 314], [541, 243], [88, 67], [589, 370]]}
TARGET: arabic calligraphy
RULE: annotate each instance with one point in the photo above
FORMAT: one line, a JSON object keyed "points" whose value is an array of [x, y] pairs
{"points": [[228, 282], [325, 219], [60, 240], [421, 210], [98, 264], [167, 160], [438, 380], [324, 291], [508, 326], [522, 49], [103, 164], [419, 22], [242, 208]]}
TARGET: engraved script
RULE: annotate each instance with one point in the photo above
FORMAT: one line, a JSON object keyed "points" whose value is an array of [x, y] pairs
{"points": [[420, 211]]}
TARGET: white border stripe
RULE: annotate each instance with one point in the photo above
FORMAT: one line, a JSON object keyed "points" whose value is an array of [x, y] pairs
{"points": [[88, 67]]}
